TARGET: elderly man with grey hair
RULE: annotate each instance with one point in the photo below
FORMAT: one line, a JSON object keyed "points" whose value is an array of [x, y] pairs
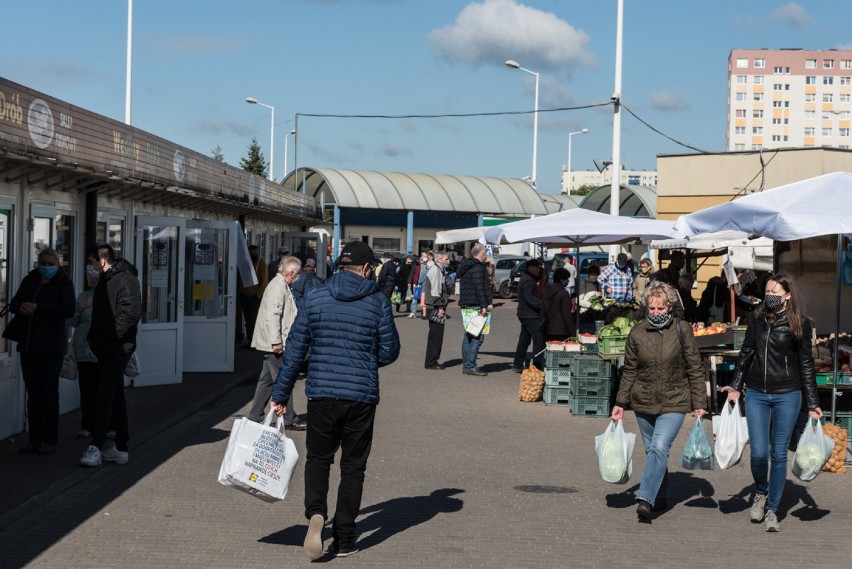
{"points": [[436, 297], [277, 312]]}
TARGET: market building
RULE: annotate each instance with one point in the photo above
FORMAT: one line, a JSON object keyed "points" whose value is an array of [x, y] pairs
{"points": [[70, 177]]}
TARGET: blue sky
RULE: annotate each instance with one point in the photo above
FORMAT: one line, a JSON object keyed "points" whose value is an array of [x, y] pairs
{"points": [[195, 62]]}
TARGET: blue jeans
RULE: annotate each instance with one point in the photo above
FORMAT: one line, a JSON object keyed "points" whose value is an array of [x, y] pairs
{"points": [[470, 350], [415, 302], [771, 418], [658, 433]]}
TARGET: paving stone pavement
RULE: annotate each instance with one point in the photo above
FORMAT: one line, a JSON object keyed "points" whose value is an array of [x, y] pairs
{"points": [[461, 475]]}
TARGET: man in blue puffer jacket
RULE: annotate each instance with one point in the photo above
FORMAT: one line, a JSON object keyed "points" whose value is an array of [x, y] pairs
{"points": [[348, 325]]}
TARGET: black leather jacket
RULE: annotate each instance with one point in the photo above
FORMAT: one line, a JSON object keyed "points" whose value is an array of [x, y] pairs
{"points": [[771, 361]]}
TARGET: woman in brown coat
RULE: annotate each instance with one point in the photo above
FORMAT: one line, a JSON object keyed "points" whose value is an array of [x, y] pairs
{"points": [[556, 308], [663, 380]]}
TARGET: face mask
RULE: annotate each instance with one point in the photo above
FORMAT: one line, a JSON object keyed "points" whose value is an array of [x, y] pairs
{"points": [[93, 272], [774, 302], [47, 272], [445, 264], [659, 320]]}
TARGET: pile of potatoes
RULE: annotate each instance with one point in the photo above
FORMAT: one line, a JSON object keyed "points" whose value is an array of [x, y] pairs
{"points": [[532, 385], [838, 455]]}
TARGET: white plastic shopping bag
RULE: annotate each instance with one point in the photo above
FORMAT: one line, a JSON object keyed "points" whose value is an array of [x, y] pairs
{"points": [[614, 448], [474, 322], [812, 453], [731, 431], [260, 459]]}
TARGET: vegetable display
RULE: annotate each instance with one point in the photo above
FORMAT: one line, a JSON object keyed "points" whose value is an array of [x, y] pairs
{"points": [[531, 385], [836, 462]]}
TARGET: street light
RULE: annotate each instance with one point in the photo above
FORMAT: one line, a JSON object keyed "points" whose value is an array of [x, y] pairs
{"points": [[253, 101], [570, 134], [514, 65], [289, 134]]}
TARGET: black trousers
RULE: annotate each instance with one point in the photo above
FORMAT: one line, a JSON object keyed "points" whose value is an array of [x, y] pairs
{"points": [[530, 332], [250, 305], [41, 379], [112, 407], [347, 425], [88, 377], [434, 343]]}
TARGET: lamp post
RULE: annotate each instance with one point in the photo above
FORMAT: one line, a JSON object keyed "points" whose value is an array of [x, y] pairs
{"points": [[253, 101], [570, 134], [514, 65], [289, 134]]}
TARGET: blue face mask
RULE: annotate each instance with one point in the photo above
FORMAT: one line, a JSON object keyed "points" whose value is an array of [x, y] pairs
{"points": [[47, 272]]}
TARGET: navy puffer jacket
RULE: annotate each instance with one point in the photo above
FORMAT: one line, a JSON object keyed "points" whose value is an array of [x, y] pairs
{"points": [[348, 325]]}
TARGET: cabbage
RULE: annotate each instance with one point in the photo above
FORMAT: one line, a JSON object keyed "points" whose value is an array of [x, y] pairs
{"points": [[810, 457], [612, 460]]}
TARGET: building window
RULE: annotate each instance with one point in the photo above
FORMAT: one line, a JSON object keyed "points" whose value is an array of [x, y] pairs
{"points": [[827, 97], [810, 80], [739, 130], [844, 97], [810, 97], [826, 116], [739, 146], [778, 70], [741, 96], [827, 80], [828, 64], [758, 96], [846, 80], [776, 121], [776, 138], [810, 114], [843, 132], [758, 79], [758, 114], [843, 114], [809, 131], [741, 113], [742, 63], [826, 132], [846, 64], [759, 63], [777, 87], [742, 79], [757, 130], [383, 244], [756, 146], [810, 64], [786, 138]]}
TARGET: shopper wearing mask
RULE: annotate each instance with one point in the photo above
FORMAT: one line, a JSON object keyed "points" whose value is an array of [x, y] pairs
{"points": [[663, 379], [776, 368], [529, 310], [643, 277], [590, 289], [437, 297], [87, 363], [617, 280], [43, 302], [556, 308]]}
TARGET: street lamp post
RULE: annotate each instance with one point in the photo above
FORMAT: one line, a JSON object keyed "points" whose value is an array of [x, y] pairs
{"points": [[286, 137], [514, 65], [253, 101], [571, 134]]}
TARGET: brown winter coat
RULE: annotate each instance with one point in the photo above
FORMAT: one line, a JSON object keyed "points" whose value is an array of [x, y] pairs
{"points": [[655, 379], [640, 281]]}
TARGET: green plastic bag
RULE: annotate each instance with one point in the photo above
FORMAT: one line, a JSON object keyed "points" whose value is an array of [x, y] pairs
{"points": [[396, 297], [698, 452]]}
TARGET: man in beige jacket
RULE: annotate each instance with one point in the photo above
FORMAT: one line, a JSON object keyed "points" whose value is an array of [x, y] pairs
{"points": [[274, 319]]}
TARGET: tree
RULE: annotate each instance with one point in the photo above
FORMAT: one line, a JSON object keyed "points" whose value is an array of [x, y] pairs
{"points": [[583, 190], [217, 154], [255, 161]]}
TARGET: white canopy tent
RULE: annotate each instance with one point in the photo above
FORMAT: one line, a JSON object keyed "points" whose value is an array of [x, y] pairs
{"points": [[745, 252], [809, 208], [456, 235]]}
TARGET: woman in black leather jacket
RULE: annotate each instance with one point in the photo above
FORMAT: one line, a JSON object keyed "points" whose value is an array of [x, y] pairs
{"points": [[776, 368]]}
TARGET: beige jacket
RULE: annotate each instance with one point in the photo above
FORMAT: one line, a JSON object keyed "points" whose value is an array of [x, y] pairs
{"points": [[275, 316]]}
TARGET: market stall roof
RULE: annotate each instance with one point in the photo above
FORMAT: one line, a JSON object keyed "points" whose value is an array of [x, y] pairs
{"points": [[456, 235], [715, 240], [417, 192], [555, 203], [636, 201], [579, 226]]}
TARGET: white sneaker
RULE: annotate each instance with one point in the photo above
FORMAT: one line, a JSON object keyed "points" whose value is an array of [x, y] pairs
{"points": [[91, 456], [112, 454], [313, 539]]}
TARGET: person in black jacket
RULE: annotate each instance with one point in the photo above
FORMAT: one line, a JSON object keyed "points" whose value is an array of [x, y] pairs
{"points": [[776, 366], [43, 302], [556, 308], [529, 310], [475, 292], [387, 275], [116, 310]]}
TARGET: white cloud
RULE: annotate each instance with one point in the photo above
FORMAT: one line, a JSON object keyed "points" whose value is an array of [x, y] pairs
{"points": [[391, 150], [844, 46], [792, 14], [669, 100], [492, 31], [221, 127]]}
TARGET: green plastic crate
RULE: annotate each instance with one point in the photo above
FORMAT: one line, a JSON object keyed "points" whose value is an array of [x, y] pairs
{"points": [[611, 345], [557, 377], [555, 359], [827, 378], [590, 386], [589, 406], [739, 336], [590, 365], [556, 396]]}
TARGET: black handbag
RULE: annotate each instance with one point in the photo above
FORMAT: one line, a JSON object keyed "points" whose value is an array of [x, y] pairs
{"points": [[14, 330]]}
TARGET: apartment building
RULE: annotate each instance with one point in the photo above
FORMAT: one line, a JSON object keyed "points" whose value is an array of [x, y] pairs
{"points": [[782, 98], [579, 178]]}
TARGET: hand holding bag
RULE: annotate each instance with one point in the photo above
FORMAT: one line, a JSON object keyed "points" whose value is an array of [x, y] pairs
{"points": [[473, 321], [697, 454], [731, 431], [260, 459], [133, 369], [614, 448], [69, 364], [814, 450]]}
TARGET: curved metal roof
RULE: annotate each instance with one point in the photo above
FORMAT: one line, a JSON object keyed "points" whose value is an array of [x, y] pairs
{"points": [[560, 202], [417, 192], [636, 201]]}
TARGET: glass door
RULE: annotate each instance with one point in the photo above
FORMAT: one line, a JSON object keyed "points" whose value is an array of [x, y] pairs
{"points": [[160, 261], [209, 319], [308, 246], [12, 415]]}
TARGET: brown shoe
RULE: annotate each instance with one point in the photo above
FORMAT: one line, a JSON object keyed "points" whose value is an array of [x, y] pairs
{"points": [[297, 426]]}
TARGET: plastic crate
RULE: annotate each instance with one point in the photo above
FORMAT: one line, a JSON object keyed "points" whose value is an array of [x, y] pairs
{"points": [[842, 419], [557, 396], [589, 406], [827, 378], [557, 359], [612, 345], [557, 377], [589, 348], [739, 336], [590, 365], [590, 386]]}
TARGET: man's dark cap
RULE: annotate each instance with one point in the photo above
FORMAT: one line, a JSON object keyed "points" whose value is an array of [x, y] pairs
{"points": [[356, 253]]}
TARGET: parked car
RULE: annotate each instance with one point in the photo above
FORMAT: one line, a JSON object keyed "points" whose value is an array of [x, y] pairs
{"points": [[558, 261], [503, 265]]}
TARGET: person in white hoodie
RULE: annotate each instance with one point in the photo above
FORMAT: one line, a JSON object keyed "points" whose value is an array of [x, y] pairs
{"points": [[274, 318]]}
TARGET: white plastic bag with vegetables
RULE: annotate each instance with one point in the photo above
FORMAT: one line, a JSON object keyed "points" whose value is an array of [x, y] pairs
{"points": [[814, 450], [615, 453]]}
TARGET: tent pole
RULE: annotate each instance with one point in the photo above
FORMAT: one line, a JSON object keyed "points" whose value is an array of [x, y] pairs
{"points": [[836, 324]]}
